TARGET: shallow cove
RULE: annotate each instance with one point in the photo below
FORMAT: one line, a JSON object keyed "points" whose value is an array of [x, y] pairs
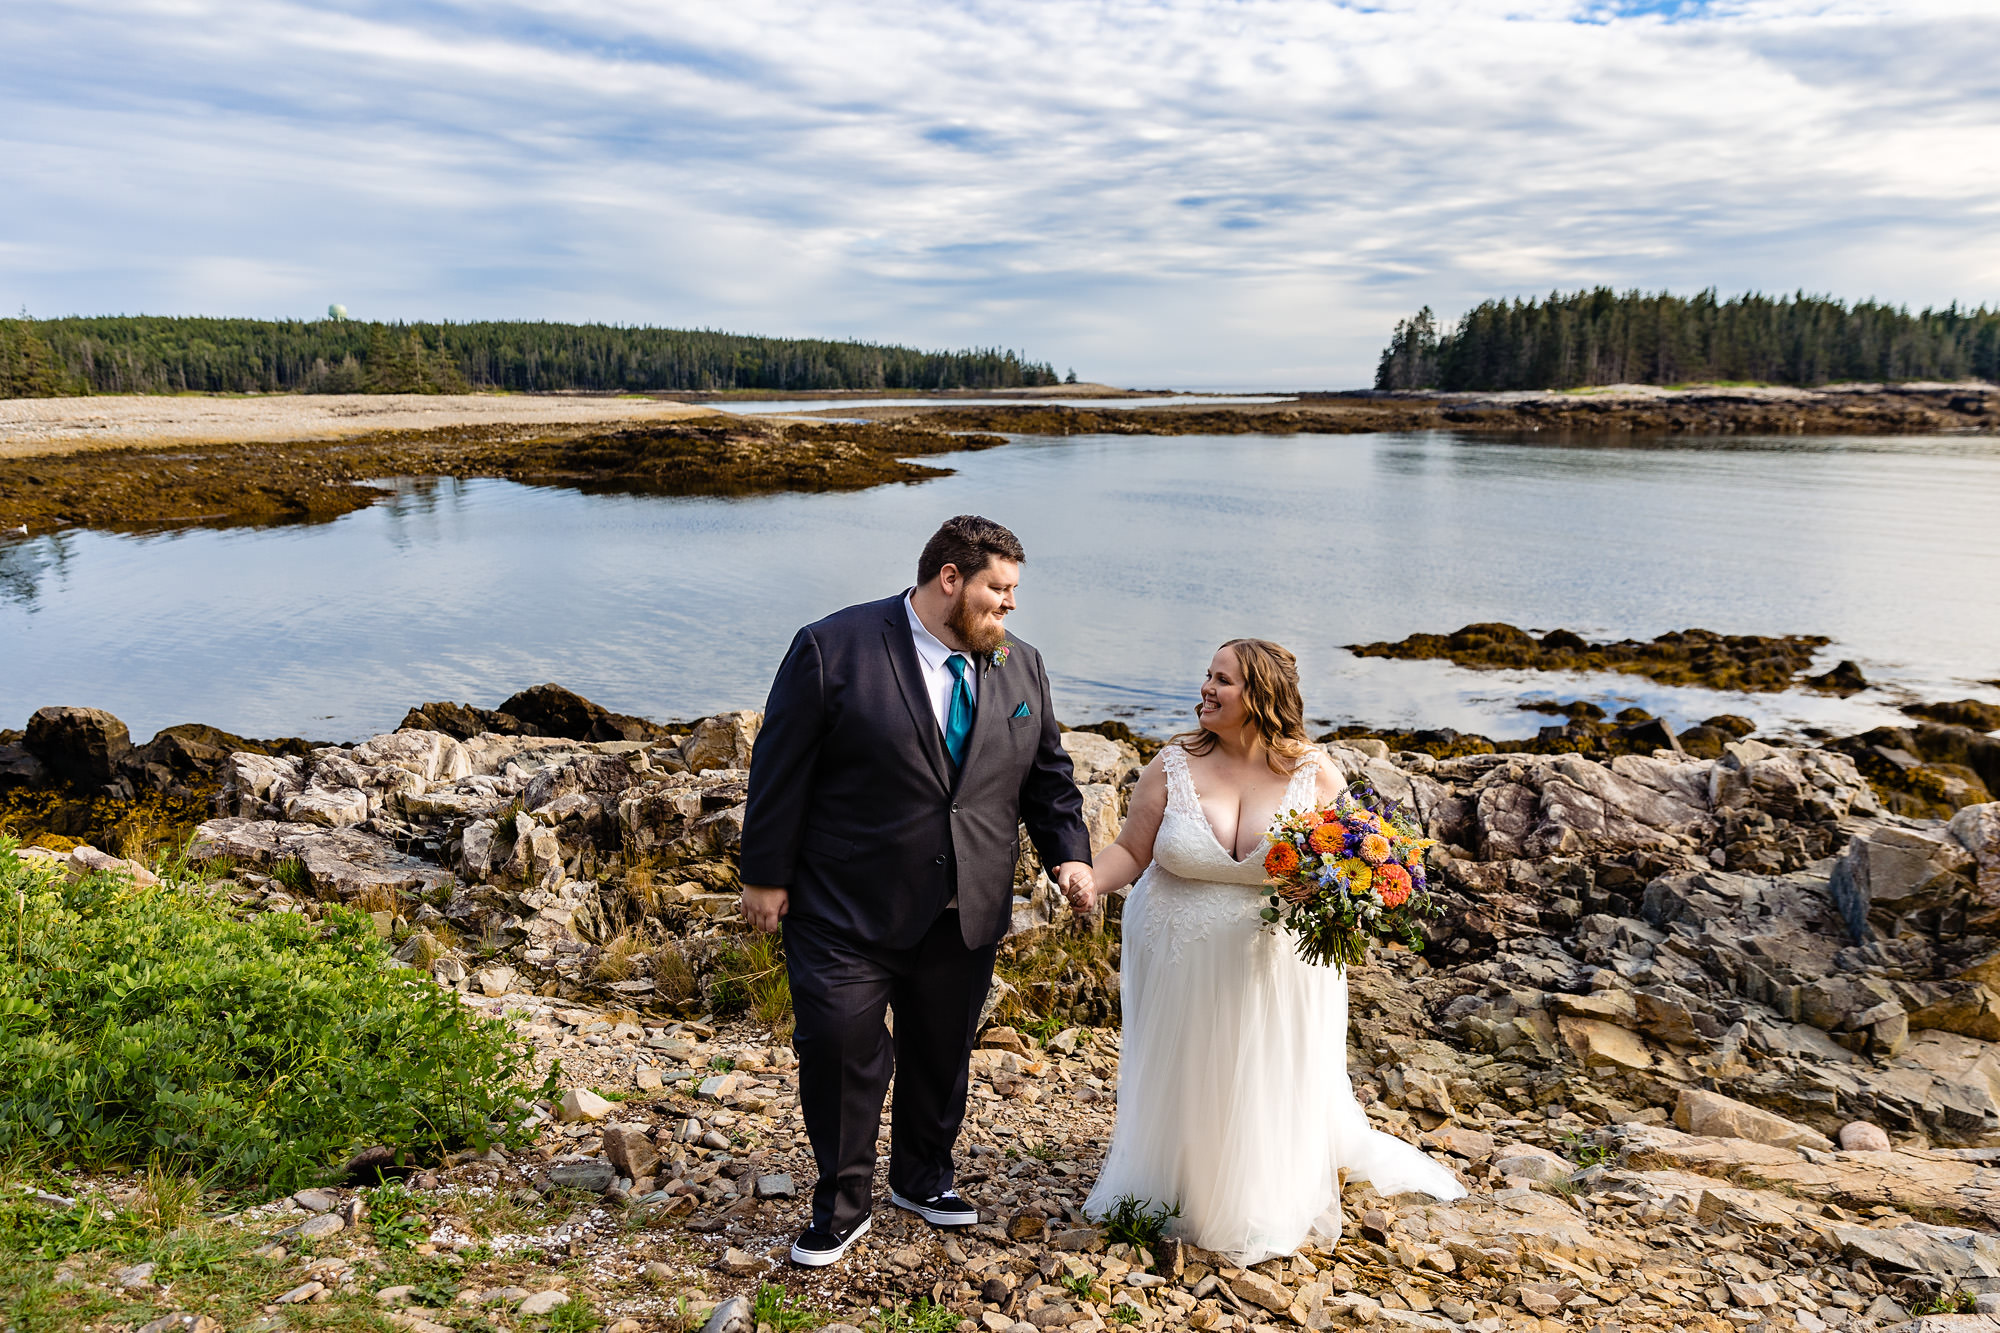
{"points": [[1144, 553]]}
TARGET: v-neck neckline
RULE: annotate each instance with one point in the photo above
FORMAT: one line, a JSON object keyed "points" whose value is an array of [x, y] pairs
{"points": [[1188, 770]]}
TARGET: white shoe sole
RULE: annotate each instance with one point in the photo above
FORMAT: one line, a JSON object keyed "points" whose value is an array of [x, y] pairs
{"points": [[935, 1216], [821, 1258]]}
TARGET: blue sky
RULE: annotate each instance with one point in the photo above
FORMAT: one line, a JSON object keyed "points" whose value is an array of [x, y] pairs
{"points": [[1156, 192]]}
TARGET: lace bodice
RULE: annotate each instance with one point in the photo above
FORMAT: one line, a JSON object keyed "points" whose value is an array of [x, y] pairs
{"points": [[1186, 845]]}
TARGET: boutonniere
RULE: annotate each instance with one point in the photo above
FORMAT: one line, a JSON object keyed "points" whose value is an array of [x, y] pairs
{"points": [[1000, 655]]}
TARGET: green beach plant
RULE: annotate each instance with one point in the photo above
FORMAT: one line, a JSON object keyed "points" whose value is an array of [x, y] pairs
{"points": [[150, 1023]]}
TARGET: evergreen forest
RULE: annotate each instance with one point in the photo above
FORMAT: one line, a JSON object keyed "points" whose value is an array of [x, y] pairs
{"points": [[168, 354], [1584, 338]]}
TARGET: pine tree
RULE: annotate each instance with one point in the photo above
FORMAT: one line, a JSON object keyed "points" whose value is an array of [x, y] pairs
{"points": [[27, 370]]}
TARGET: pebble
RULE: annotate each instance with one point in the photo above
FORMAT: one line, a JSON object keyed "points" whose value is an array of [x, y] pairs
{"points": [[179, 1322], [543, 1301], [326, 1224], [305, 1291], [1860, 1136], [316, 1201]]}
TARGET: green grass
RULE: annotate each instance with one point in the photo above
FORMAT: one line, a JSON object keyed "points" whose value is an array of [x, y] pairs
{"points": [[1583, 1152], [1137, 1222], [774, 1306], [918, 1316], [150, 1023], [1945, 1302], [749, 977], [1125, 1314], [394, 1215], [290, 874]]}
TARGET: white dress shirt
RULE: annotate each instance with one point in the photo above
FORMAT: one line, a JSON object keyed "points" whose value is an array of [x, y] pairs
{"points": [[932, 656]]}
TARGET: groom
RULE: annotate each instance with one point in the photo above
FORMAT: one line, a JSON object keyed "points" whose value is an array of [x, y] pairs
{"points": [[904, 742]]}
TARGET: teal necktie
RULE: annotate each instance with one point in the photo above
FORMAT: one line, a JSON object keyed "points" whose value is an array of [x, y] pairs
{"points": [[958, 722]]}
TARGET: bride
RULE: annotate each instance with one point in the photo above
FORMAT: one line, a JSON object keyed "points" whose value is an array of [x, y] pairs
{"points": [[1233, 1097]]}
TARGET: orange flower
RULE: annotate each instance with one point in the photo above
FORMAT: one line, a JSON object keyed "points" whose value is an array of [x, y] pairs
{"points": [[1392, 884], [1281, 861], [1328, 839], [1374, 849]]}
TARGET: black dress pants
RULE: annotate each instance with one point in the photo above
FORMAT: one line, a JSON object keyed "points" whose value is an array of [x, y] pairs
{"points": [[840, 988]]}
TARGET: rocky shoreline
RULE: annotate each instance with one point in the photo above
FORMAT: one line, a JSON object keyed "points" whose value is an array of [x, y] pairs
{"points": [[314, 481], [1714, 1039], [321, 470], [1622, 410]]}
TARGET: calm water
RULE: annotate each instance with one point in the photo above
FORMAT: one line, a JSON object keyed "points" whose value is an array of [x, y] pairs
{"points": [[760, 407], [1143, 554]]}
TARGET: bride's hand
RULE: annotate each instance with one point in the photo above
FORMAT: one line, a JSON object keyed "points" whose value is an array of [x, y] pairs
{"points": [[1076, 882]]}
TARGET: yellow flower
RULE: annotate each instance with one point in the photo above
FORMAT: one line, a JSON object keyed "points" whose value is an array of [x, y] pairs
{"points": [[1360, 875]]}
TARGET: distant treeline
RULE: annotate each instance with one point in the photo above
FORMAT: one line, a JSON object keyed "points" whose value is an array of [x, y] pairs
{"points": [[1603, 337], [166, 354]]}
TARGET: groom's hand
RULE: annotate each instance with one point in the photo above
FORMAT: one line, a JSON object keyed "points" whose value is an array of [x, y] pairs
{"points": [[765, 907], [1077, 884]]}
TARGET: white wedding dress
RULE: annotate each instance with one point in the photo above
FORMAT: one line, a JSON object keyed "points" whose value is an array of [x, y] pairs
{"points": [[1233, 1096]]}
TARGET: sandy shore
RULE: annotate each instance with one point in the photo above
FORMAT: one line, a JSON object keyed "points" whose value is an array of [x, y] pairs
{"points": [[36, 426]]}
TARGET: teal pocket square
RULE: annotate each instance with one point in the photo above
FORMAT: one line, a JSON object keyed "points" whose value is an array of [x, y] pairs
{"points": [[1024, 710]]}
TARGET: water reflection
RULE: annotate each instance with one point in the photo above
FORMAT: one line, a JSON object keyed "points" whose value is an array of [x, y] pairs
{"points": [[1144, 553]]}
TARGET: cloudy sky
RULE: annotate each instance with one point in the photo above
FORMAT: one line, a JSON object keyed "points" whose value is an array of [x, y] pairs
{"points": [[1155, 192]]}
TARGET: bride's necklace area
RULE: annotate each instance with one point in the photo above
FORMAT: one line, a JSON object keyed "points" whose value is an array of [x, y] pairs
{"points": [[1242, 806]]}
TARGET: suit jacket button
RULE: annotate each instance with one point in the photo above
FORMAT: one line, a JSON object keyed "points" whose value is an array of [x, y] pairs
{"points": [[954, 807], [940, 860]]}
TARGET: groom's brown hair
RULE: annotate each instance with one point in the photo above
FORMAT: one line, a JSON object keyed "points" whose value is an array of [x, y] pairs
{"points": [[969, 543]]}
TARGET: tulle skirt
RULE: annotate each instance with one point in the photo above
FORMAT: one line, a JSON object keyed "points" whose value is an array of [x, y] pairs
{"points": [[1233, 1096]]}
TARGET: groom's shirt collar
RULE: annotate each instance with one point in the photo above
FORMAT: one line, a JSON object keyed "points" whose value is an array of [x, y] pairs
{"points": [[931, 656]]}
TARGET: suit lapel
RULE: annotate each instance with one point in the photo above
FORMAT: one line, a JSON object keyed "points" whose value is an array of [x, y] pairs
{"points": [[910, 680]]}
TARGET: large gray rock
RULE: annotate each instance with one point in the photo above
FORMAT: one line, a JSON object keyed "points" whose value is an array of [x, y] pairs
{"points": [[1539, 806], [20, 768], [723, 741], [1977, 829], [339, 862], [1712, 1115], [254, 786], [1892, 873], [1103, 814], [78, 745], [429, 755], [1099, 758]]}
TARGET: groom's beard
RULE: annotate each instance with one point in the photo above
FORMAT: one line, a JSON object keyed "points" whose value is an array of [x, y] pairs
{"points": [[979, 636]]}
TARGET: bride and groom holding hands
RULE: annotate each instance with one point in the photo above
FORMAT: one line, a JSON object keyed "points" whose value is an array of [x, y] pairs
{"points": [[904, 743]]}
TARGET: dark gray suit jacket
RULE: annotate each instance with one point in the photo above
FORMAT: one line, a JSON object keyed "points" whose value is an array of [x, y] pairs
{"points": [[853, 804]]}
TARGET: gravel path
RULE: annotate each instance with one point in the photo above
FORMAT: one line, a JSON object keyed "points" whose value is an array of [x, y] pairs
{"points": [[32, 426]]}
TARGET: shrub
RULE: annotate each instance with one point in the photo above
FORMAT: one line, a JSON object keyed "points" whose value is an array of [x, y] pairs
{"points": [[144, 1023]]}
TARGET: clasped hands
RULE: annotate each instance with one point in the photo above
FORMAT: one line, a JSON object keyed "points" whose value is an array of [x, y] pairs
{"points": [[1078, 885]]}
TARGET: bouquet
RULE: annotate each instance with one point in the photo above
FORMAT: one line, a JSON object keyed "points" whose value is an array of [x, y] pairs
{"points": [[1347, 875]]}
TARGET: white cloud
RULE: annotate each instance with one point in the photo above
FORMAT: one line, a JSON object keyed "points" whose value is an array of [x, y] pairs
{"points": [[1202, 191]]}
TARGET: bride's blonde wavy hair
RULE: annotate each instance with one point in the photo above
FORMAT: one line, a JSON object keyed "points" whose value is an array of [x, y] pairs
{"points": [[1271, 697]]}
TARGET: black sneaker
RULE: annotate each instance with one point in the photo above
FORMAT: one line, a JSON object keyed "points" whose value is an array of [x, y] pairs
{"points": [[940, 1210], [816, 1249]]}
